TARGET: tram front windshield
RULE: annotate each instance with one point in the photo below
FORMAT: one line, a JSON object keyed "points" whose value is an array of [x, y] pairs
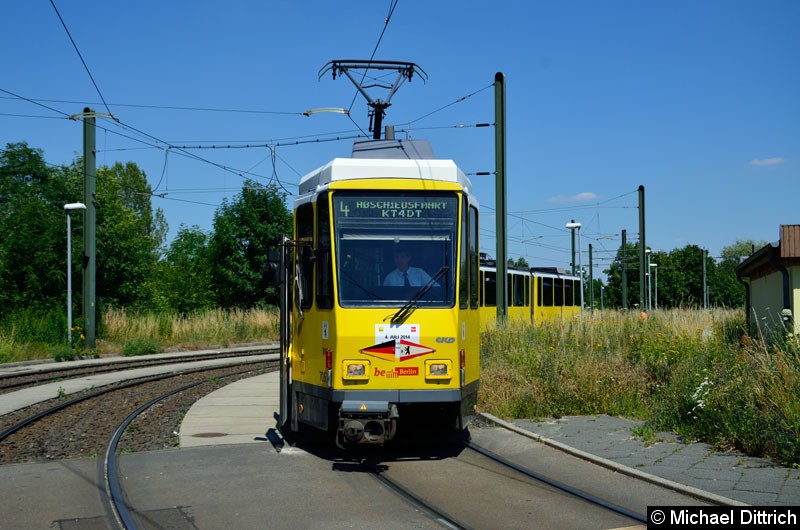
{"points": [[392, 247]]}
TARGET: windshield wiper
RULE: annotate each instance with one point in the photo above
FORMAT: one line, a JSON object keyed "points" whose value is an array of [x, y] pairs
{"points": [[411, 305]]}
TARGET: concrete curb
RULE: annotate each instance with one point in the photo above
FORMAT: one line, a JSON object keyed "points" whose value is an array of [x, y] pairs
{"points": [[614, 466]]}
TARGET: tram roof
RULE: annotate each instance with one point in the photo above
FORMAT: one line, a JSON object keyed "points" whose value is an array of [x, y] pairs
{"points": [[388, 159]]}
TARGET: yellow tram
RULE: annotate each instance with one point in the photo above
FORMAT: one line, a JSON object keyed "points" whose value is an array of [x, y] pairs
{"points": [[535, 295], [380, 319]]}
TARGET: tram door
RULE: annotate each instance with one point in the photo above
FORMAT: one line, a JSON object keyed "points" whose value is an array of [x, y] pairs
{"points": [[285, 335]]}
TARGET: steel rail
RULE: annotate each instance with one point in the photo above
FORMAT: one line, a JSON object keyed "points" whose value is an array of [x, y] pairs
{"points": [[5, 433], [419, 503], [113, 486], [110, 464], [56, 371], [556, 484]]}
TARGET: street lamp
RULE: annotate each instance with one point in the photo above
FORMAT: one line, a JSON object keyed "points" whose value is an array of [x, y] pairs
{"points": [[572, 226], [320, 110], [69, 207], [647, 279], [654, 266]]}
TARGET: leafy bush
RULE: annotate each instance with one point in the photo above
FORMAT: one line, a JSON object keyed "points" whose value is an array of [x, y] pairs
{"points": [[6, 351], [63, 353], [37, 325], [141, 346], [747, 402]]}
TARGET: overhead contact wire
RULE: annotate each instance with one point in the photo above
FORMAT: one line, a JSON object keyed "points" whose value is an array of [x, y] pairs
{"points": [[392, 6], [74, 45]]}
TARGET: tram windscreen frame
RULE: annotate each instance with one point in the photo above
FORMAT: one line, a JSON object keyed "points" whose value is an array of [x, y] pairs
{"points": [[371, 227]]}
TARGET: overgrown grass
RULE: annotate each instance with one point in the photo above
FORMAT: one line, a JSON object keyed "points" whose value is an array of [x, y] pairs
{"points": [[567, 367], [32, 336], [216, 327], [689, 372]]}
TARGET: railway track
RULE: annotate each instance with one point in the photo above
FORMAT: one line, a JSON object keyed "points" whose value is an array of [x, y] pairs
{"points": [[570, 490], [16, 377], [113, 487], [476, 488], [72, 427], [34, 435]]}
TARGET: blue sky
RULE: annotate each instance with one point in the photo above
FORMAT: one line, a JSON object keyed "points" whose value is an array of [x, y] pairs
{"points": [[695, 100]]}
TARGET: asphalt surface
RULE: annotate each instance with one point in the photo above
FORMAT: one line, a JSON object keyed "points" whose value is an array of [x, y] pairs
{"points": [[694, 468], [230, 453]]}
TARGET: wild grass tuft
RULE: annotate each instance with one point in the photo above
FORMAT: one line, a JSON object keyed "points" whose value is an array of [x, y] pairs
{"points": [[209, 328], [558, 369], [691, 372], [141, 346], [32, 336]]}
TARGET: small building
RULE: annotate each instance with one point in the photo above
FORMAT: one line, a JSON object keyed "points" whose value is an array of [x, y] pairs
{"points": [[771, 278]]}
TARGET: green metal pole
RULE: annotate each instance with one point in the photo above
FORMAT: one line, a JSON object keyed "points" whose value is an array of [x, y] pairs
{"points": [[642, 257], [500, 193], [624, 269], [89, 227], [591, 281]]}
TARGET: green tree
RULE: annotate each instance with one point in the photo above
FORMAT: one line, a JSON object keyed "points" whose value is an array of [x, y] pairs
{"points": [[724, 288], [681, 280], [245, 230], [33, 224], [629, 259], [129, 236], [521, 263], [183, 282], [680, 276], [32, 219]]}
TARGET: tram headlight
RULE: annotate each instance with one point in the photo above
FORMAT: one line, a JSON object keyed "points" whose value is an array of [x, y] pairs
{"points": [[355, 370], [435, 369]]}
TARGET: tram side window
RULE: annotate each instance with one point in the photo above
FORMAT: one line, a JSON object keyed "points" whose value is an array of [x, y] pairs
{"points": [[323, 255], [519, 290], [569, 294], [463, 283], [559, 292], [490, 289], [539, 292], [305, 235], [474, 257], [547, 292], [510, 290], [527, 291]]}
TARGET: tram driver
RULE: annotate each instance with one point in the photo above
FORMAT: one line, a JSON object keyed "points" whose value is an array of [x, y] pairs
{"points": [[404, 275]]}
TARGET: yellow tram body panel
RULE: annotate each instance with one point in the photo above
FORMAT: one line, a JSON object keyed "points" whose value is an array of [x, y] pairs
{"points": [[425, 357], [350, 335], [366, 345], [534, 297]]}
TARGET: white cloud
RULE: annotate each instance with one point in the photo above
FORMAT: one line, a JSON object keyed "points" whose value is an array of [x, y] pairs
{"points": [[585, 196], [767, 161]]}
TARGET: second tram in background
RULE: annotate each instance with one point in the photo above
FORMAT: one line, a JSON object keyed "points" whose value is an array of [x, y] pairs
{"points": [[380, 324], [535, 295]]}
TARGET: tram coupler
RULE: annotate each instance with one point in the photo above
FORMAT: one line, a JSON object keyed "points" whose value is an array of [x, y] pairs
{"points": [[366, 422]]}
